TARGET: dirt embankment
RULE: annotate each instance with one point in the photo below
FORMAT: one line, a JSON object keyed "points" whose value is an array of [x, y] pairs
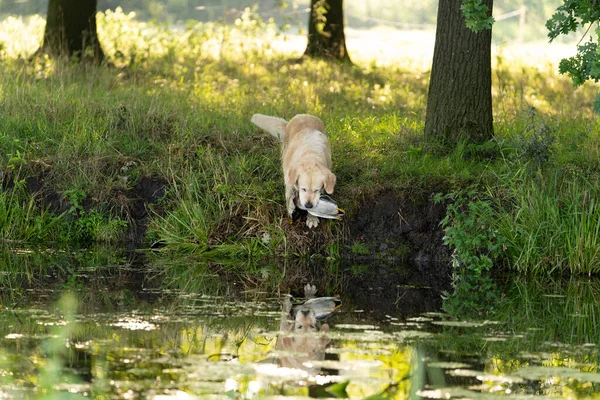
{"points": [[394, 261], [406, 265], [393, 258]]}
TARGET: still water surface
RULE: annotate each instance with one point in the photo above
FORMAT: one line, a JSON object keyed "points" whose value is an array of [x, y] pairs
{"points": [[84, 334]]}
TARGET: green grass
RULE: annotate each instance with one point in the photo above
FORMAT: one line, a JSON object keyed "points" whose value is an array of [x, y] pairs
{"points": [[552, 225], [177, 106]]}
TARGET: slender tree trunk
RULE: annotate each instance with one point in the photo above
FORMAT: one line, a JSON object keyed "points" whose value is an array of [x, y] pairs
{"points": [[71, 30], [326, 38], [459, 105]]}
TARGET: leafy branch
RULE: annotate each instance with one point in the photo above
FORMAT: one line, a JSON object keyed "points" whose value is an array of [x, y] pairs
{"points": [[477, 15]]}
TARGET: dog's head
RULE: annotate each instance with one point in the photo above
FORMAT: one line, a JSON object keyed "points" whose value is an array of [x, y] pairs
{"points": [[306, 321], [310, 180], [305, 344]]}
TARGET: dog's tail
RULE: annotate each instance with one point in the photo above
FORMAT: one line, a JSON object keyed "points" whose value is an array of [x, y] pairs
{"points": [[275, 126]]}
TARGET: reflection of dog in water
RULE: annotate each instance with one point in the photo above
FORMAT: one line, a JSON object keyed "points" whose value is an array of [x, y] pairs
{"points": [[300, 343]]}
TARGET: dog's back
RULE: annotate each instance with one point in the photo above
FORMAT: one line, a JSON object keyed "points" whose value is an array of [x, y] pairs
{"points": [[304, 122]]}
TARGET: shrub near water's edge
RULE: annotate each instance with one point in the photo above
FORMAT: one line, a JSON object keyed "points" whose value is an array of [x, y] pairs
{"points": [[475, 246]]}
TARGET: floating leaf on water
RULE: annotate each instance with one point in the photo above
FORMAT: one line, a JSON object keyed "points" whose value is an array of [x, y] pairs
{"points": [[347, 365], [13, 336], [448, 365], [482, 376], [536, 356], [412, 334], [465, 324], [356, 327], [420, 319], [494, 339], [374, 352], [434, 315], [461, 393], [537, 373]]}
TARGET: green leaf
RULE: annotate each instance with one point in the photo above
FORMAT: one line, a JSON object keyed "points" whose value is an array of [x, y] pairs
{"points": [[339, 390]]}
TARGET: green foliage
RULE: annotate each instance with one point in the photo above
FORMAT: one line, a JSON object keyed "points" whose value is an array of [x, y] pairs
{"points": [[360, 249], [552, 225], [22, 220], [571, 16], [537, 143], [320, 9], [585, 65], [475, 245], [91, 224], [477, 15], [207, 216]]}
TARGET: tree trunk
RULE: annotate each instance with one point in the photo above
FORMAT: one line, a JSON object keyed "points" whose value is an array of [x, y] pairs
{"points": [[459, 104], [326, 37], [71, 30]]}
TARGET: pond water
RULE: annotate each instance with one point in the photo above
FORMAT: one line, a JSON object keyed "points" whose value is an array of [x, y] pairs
{"points": [[87, 324]]}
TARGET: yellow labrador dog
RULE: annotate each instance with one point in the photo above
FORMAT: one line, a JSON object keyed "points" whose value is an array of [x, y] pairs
{"points": [[306, 159]]}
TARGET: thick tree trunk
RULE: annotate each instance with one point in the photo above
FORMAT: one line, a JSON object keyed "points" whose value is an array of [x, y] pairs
{"points": [[71, 30], [459, 105], [326, 38]]}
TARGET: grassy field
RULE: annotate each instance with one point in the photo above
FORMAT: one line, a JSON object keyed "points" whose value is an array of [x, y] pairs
{"points": [[77, 140]]}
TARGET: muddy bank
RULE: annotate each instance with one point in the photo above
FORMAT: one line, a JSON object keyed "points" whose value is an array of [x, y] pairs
{"points": [[393, 258], [388, 227], [394, 227]]}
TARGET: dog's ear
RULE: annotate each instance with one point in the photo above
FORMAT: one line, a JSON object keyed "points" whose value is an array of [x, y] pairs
{"points": [[329, 182], [291, 177]]}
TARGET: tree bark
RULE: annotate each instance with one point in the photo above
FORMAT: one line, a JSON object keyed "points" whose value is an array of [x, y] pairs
{"points": [[71, 30], [326, 38], [459, 104]]}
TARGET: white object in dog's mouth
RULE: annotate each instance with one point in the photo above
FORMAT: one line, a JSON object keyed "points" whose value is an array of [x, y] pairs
{"points": [[325, 208]]}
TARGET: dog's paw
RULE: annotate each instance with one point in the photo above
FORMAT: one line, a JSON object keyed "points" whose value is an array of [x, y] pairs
{"points": [[310, 291], [312, 221], [291, 209]]}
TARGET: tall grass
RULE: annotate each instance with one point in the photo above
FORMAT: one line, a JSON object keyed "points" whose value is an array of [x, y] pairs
{"points": [[225, 208], [552, 225], [21, 219]]}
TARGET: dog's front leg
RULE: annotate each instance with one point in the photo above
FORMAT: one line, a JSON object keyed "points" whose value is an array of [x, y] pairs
{"points": [[312, 221], [290, 193], [286, 310]]}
